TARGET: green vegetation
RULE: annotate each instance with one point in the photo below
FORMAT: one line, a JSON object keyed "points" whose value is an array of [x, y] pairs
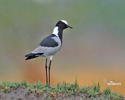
{"points": [[64, 90]]}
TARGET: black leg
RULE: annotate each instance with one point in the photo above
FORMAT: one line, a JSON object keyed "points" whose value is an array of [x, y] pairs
{"points": [[46, 72], [49, 71]]}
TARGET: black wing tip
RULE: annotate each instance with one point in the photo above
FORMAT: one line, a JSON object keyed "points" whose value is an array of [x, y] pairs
{"points": [[29, 56], [26, 59], [32, 55], [26, 55]]}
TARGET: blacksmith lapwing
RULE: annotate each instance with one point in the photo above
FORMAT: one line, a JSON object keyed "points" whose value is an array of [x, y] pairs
{"points": [[50, 45]]}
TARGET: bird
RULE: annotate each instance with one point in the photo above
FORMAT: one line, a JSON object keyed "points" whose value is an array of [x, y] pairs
{"points": [[49, 46]]}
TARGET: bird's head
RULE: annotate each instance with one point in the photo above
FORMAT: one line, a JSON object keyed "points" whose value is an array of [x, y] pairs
{"points": [[63, 24]]}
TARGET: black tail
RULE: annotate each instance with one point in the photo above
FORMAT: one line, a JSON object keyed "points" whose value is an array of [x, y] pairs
{"points": [[32, 55]]}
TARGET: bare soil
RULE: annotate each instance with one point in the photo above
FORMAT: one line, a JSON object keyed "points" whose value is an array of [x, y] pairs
{"points": [[23, 94]]}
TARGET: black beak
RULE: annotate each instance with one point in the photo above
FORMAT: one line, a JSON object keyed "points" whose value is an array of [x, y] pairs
{"points": [[69, 26]]}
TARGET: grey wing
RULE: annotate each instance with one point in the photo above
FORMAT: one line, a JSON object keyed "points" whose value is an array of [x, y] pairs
{"points": [[48, 51], [49, 46], [39, 49], [49, 41]]}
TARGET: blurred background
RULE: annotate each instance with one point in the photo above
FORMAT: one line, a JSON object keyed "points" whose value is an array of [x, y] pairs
{"points": [[93, 51]]}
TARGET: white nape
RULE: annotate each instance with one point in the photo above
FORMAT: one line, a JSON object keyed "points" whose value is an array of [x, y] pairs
{"points": [[64, 21], [55, 31]]}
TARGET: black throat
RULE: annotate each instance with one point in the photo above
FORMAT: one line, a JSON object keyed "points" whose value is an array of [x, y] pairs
{"points": [[60, 33]]}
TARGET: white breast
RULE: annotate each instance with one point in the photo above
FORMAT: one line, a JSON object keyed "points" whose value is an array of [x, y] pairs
{"points": [[55, 31]]}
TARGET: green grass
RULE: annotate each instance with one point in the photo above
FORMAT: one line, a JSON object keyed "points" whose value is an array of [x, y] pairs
{"points": [[62, 90]]}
